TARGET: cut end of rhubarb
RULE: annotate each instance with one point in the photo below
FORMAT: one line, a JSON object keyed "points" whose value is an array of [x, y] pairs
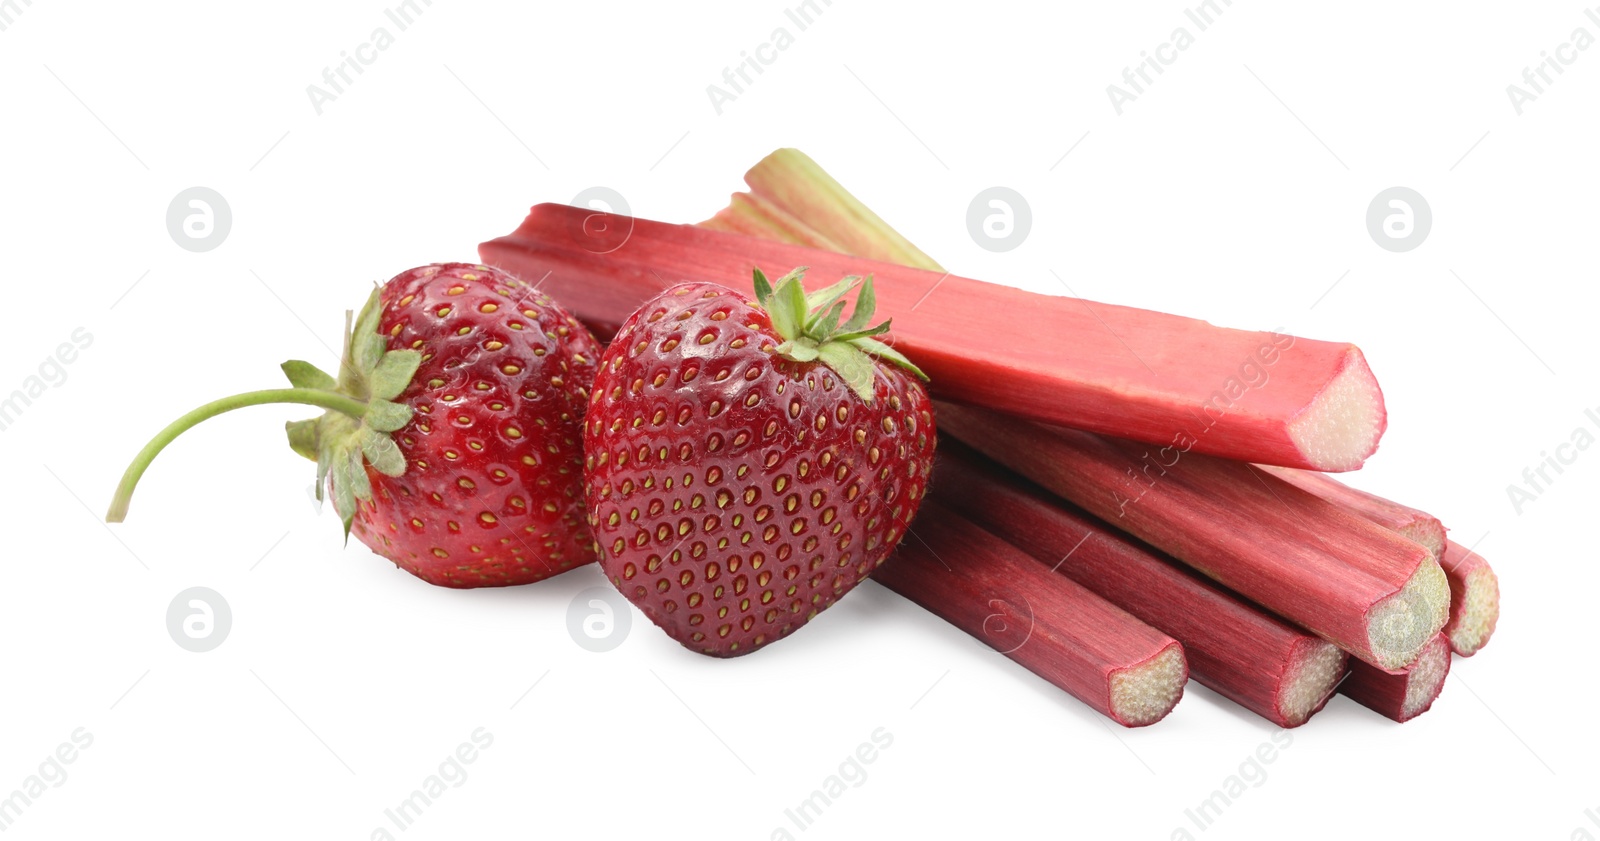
{"points": [[1342, 425], [1477, 614], [1145, 693], [1427, 532], [1426, 678], [1314, 672], [1402, 695], [1401, 625]]}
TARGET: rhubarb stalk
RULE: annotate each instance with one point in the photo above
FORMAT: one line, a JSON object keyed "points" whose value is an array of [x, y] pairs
{"points": [[756, 216], [1405, 695], [1357, 585], [1408, 522], [1474, 599], [790, 181], [1134, 373], [1271, 668], [1474, 589], [1052, 626]]}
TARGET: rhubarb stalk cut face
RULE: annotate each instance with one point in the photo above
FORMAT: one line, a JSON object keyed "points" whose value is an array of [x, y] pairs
{"points": [[1374, 594], [1474, 589], [1266, 665], [1474, 599], [1405, 695], [1057, 629], [1172, 381]]}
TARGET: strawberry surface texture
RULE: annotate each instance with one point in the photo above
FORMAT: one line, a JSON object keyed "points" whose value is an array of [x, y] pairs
{"points": [[491, 494], [743, 477]]}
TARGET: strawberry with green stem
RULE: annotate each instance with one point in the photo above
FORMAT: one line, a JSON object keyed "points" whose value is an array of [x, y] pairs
{"points": [[452, 436], [747, 463]]}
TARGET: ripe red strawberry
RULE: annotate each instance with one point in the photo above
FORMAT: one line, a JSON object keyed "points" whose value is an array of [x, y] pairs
{"points": [[452, 440], [748, 463]]}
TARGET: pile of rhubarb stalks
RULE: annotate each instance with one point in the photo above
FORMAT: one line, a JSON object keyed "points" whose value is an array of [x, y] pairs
{"points": [[1122, 499]]}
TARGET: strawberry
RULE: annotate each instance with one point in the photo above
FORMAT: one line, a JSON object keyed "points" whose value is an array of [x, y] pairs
{"points": [[747, 463], [451, 440]]}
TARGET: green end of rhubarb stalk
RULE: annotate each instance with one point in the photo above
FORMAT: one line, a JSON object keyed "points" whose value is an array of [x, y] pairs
{"points": [[356, 430], [813, 328], [794, 182]]}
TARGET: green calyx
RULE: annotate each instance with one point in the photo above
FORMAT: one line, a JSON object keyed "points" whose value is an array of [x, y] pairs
{"points": [[356, 430], [343, 444], [814, 328]]}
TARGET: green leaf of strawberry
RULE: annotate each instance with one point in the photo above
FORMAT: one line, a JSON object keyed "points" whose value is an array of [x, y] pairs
{"points": [[384, 416], [305, 375], [303, 437], [810, 328], [393, 373], [344, 442]]}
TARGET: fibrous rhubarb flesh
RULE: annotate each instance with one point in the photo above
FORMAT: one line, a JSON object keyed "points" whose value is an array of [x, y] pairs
{"points": [[1474, 599], [1049, 624], [1243, 653], [1474, 589], [1360, 586], [1138, 374], [1405, 695]]}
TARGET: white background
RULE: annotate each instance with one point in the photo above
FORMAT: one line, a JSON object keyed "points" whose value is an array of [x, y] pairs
{"points": [[344, 683]]}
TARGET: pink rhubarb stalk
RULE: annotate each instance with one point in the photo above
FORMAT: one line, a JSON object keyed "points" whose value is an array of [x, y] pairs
{"points": [[756, 216], [1405, 695], [1474, 599], [1408, 522], [1474, 589], [1134, 373], [1374, 594], [1054, 627], [1271, 668]]}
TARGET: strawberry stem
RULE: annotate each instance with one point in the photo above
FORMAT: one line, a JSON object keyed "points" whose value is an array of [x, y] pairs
{"points": [[335, 401], [356, 431]]}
